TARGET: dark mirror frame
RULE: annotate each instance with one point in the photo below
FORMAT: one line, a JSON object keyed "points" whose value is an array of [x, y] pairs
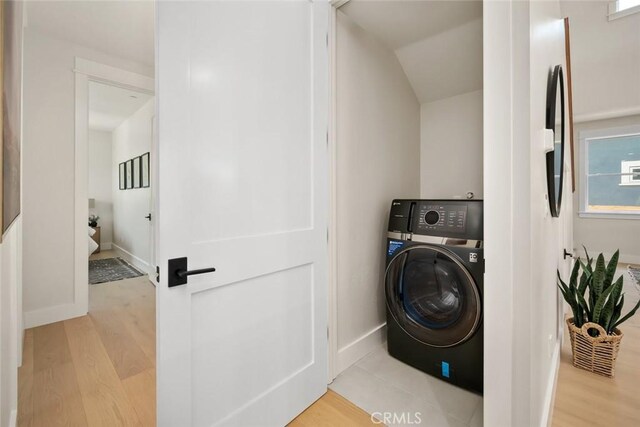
{"points": [[556, 81]]}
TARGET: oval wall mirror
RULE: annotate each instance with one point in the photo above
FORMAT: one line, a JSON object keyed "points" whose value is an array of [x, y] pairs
{"points": [[555, 123]]}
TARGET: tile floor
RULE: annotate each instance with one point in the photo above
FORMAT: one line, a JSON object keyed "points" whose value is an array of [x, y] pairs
{"points": [[379, 383]]}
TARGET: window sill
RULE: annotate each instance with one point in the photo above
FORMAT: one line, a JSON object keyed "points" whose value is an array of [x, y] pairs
{"points": [[609, 215], [622, 13]]}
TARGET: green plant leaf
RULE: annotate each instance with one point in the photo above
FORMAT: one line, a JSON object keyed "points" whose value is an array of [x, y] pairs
{"points": [[570, 297], [585, 309], [589, 260], [629, 314], [617, 291], [610, 305], [574, 273], [616, 315], [598, 278], [611, 270], [597, 309]]}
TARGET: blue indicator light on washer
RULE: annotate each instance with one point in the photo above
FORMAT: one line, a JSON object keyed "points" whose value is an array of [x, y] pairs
{"points": [[394, 245], [445, 369]]}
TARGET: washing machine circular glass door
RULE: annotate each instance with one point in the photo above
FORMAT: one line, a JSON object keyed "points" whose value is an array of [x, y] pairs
{"points": [[432, 296]]}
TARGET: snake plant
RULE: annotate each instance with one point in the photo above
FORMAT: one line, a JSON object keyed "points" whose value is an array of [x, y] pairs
{"points": [[604, 301]]}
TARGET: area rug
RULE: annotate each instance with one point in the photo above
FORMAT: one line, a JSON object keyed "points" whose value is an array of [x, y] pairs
{"points": [[111, 270]]}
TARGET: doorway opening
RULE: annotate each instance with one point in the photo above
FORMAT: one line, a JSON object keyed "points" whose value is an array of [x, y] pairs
{"points": [[407, 118], [120, 134], [94, 112]]}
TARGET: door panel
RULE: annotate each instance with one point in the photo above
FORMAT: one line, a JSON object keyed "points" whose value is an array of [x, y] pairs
{"points": [[242, 119]]}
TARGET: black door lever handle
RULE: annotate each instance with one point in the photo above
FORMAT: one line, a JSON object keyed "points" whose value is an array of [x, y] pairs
{"points": [[185, 273], [567, 254], [178, 271]]}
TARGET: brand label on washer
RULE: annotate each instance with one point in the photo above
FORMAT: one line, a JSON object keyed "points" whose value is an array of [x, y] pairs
{"points": [[394, 245], [473, 257]]}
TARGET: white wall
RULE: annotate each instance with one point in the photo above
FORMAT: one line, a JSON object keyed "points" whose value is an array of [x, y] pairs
{"points": [[604, 60], [549, 236], [131, 229], [597, 234], [523, 243], [451, 147], [378, 159], [100, 186], [10, 322], [48, 171]]}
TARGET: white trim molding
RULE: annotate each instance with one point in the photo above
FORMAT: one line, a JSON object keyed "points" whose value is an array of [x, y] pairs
{"points": [[57, 313], [550, 392], [132, 259], [605, 115], [85, 72], [351, 353], [616, 13], [583, 171], [332, 226]]}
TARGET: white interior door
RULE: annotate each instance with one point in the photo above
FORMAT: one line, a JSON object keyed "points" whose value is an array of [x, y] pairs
{"points": [[242, 116]]}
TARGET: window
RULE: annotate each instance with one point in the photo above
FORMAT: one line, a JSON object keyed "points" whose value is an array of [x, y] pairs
{"points": [[630, 171], [620, 8], [610, 184]]}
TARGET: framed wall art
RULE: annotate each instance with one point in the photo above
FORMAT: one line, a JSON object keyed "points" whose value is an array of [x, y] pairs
{"points": [[146, 182], [122, 176], [137, 172], [129, 174]]}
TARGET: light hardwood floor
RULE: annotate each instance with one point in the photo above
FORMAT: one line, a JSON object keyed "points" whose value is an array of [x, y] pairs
{"points": [[333, 410], [99, 369], [587, 399], [95, 370]]}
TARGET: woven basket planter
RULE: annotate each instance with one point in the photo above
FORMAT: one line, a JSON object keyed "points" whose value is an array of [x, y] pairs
{"points": [[594, 354]]}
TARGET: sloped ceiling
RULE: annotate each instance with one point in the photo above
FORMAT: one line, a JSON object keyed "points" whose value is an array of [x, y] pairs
{"points": [[438, 43]]}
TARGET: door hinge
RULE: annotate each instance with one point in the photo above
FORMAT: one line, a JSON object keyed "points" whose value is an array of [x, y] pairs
{"points": [[157, 274], [327, 39]]}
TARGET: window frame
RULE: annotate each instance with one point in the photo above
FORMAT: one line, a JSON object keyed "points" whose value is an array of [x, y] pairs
{"points": [[615, 13], [589, 135]]}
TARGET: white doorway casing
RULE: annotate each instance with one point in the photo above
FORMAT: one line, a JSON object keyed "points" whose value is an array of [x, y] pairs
{"points": [[87, 71]]}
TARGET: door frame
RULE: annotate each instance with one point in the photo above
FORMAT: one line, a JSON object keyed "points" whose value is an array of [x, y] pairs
{"points": [[87, 71]]}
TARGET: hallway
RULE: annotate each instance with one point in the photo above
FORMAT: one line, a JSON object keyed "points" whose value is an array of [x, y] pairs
{"points": [[97, 369]]}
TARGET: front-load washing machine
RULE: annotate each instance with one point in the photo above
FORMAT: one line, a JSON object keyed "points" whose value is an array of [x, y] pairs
{"points": [[434, 287]]}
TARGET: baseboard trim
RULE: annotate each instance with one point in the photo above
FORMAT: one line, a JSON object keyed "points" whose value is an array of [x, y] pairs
{"points": [[351, 353], [550, 393], [57, 313], [13, 418], [131, 258]]}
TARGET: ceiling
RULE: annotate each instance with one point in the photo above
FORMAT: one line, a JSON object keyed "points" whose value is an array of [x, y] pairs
{"points": [[401, 22], [109, 106], [120, 28], [438, 43]]}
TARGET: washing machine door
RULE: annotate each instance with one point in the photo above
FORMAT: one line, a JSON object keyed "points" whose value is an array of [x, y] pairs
{"points": [[432, 296]]}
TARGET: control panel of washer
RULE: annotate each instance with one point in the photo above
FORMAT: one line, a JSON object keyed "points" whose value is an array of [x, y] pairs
{"points": [[442, 217]]}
